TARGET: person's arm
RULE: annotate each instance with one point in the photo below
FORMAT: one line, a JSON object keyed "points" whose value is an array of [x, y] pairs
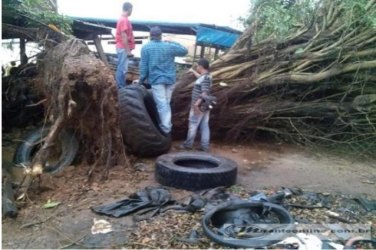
{"points": [[194, 72], [177, 49], [124, 36], [205, 89], [144, 69], [205, 86]]}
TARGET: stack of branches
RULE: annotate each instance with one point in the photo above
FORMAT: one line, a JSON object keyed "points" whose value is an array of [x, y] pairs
{"points": [[317, 86]]}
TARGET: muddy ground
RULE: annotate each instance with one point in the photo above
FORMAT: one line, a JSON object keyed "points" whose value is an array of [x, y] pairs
{"points": [[261, 165]]}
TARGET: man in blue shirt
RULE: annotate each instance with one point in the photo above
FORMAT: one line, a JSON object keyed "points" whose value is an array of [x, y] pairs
{"points": [[157, 66]]}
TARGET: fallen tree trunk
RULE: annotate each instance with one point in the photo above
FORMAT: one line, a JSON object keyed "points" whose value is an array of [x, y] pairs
{"points": [[317, 86]]}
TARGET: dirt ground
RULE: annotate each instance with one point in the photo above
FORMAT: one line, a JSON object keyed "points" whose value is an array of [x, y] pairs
{"points": [[261, 166]]}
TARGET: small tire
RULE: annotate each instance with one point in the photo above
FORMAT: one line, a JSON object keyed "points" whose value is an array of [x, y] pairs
{"points": [[68, 149], [139, 123], [228, 212], [195, 171]]}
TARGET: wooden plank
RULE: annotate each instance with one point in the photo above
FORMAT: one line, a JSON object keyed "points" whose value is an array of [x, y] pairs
{"points": [[98, 45]]}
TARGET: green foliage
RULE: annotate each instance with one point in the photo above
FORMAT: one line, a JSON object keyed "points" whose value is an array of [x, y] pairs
{"points": [[356, 13], [279, 18], [34, 13]]}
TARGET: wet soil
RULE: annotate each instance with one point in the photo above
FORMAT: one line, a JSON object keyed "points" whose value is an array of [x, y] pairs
{"points": [[260, 166]]}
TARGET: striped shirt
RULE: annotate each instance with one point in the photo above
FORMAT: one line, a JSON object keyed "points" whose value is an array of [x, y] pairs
{"points": [[202, 84], [157, 64]]}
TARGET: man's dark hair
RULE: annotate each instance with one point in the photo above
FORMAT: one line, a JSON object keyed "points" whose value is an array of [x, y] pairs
{"points": [[155, 33], [127, 6], [204, 63]]}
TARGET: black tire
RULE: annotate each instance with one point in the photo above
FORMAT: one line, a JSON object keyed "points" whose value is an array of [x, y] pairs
{"points": [[195, 171], [68, 149], [139, 123], [221, 215], [9, 207]]}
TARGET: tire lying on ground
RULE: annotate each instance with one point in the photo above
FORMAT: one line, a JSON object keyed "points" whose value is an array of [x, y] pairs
{"points": [[61, 155], [246, 224], [195, 171], [139, 121]]}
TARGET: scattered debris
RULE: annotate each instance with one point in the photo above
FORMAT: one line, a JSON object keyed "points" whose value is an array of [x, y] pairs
{"points": [[51, 204], [367, 204], [101, 227], [193, 238], [143, 167], [146, 203], [9, 207], [247, 224]]}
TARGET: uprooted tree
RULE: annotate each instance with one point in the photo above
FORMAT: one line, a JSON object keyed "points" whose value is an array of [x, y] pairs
{"points": [[315, 85], [80, 89], [81, 94]]}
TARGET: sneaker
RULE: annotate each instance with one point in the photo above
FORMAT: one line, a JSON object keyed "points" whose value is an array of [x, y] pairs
{"points": [[183, 147], [203, 149]]}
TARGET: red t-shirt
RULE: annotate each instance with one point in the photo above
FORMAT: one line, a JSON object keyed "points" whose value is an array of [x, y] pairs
{"points": [[124, 25]]}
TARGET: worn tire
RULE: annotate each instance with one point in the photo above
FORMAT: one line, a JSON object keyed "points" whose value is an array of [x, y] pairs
{"points": [[216, 217], [9, 206], [195, 171], [68, 147], [139, 123]]}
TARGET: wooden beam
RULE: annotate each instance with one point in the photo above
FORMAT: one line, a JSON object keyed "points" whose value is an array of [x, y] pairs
{"points": [[194, 53], [98, 45], [23, 56], [10, 31], [202, 53], [216, 53]]}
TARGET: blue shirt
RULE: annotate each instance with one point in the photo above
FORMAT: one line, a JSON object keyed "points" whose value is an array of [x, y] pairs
{"points": [[157, 63]]}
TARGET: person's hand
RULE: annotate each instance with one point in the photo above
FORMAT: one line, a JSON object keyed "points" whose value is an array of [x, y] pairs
{"points": [[167, 39], [191, 70], [129, 54], [196, 110]]}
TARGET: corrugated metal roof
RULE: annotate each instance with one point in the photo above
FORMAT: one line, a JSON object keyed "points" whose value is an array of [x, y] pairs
{"points": [[206, 34]]}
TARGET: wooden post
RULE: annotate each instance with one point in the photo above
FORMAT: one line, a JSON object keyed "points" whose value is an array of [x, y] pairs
{"points": [[98, 45], [216, 53], [202, 53], [194, 54], [23, 55]]}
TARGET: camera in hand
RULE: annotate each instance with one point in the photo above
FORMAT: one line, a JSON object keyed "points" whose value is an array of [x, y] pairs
{"points": [[207, 103]]}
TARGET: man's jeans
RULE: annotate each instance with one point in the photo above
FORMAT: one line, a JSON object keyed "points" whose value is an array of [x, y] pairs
{"points": [[196, 121], [122, 67], [162, 97]]}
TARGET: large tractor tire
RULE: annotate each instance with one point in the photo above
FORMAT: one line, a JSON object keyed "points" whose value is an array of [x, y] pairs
{"points": [[195, 171], [139, 121]]}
